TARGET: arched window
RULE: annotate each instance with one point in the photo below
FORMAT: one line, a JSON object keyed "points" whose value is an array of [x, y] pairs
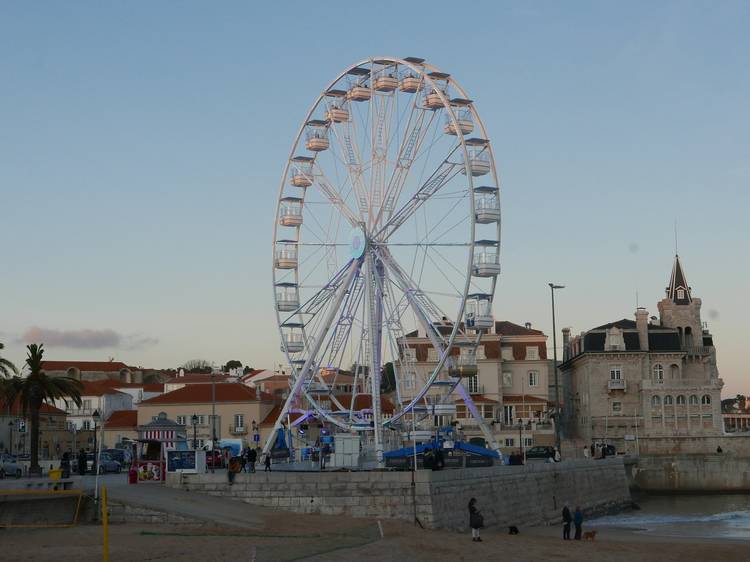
{"points": [[658, 371], [693, 400], [706, 400], [674, 371], [688, 337], [680, 400], [655, 401], [668, 400]]}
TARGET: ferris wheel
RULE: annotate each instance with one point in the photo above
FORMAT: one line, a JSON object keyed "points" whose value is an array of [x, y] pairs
{"points": [[386, 250]]}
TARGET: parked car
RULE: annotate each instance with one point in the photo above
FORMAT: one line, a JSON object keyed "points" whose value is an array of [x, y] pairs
{"points": [[9, 466], [106, 463], [123, 456], [214, 459], [540, 452]]}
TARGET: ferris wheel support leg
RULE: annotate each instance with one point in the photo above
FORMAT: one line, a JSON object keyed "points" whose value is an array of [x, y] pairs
{"points": [[466, 397], [310, 362], [375, 309]]}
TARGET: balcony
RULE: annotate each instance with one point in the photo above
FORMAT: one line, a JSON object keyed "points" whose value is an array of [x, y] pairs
{"points": [[474, 388], [616, 384], [238, 429], [697, 351], [79, 411]]}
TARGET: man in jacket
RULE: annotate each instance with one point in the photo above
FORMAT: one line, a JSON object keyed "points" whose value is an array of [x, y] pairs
{"points": [[567, 519], [578, 522]]}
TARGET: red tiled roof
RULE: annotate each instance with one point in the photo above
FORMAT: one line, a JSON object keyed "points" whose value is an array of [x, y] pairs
{"points": [[506, 328], [107, 366], [153, 387], [479, 399], [99, 388], [17, 410], [201, 394], [122, 418], [193, 378], [517, 399]]}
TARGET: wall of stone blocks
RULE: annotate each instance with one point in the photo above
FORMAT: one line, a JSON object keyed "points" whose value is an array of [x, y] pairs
{"points": [[734, 444], [508, 495], [693, 473]]}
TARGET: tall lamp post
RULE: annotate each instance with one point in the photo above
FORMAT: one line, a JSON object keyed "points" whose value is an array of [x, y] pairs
{"points": [[96, 416], [213, 419], [11, 423], [552, 288], [194, 419]]}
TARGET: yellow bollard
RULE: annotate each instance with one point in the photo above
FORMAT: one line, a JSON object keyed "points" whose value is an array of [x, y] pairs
{"points": [[105, 525]]}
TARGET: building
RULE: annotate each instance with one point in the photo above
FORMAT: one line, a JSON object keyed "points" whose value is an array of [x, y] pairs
{"points": [[183, 379], [644, 378], [93, 370], [735, 413], [15, 431], [96, 396], [238, 408], [120, 427], [510, 389]]}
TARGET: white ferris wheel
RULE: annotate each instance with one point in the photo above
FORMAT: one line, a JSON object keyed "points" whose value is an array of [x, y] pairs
{"points": [[387, 223]]}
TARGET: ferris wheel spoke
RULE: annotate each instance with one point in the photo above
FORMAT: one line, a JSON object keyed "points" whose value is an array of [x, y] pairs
{"points": [[336, 198]]}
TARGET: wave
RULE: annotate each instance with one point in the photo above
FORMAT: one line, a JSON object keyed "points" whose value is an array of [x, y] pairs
{"points": [[734, 518]]}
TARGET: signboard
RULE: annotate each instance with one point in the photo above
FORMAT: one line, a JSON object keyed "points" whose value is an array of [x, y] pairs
{"points": [[256, 437], [630, 438], [186, 461]]}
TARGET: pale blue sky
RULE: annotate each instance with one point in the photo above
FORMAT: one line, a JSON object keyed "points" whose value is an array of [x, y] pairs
{"points": [[141, 145]]}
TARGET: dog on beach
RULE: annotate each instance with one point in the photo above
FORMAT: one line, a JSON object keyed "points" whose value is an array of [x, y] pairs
{"points": [[589, 535], [512, 530]]}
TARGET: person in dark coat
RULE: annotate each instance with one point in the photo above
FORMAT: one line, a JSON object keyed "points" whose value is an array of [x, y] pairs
{"points": [[82, 462], [268, 463], [567, 518], [252, 456], [476, 521], [578, 522]]}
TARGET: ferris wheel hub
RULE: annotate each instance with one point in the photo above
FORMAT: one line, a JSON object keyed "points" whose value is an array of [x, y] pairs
{"points": [[357, 243]]}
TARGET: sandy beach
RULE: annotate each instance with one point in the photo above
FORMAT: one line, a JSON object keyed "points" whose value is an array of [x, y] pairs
{"points": [[288, 537]]}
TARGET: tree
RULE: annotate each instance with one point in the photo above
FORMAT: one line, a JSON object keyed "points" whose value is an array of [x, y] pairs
{"points": [[232, 364], [6, 367], [247, 369], [197, 366], [387, 378], [36, 389]]}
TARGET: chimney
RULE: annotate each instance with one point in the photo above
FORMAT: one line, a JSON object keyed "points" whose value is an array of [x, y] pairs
{"points": [[566, 343], [641, 323]]}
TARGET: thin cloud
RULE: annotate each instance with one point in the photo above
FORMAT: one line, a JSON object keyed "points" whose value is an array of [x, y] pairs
{"points": [[85, 339]]}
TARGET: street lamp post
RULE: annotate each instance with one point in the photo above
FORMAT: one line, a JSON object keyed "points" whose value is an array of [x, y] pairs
{"points": [[213, 419], [552, 288], [520, 438], [194, 419], [96, 418], [11, 423]]}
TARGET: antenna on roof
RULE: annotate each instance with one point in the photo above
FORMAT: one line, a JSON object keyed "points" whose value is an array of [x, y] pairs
{"points": [[675, 238], [637, 304]]}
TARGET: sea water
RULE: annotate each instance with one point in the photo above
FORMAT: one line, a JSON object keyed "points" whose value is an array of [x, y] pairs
{"points": [[697, 516]]}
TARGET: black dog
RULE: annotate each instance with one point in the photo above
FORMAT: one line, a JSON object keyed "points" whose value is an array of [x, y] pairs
{"points": [[512, 530]]}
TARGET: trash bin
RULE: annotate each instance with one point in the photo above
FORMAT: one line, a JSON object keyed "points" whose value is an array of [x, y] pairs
{"points": [[133, 475], [55, 473]]}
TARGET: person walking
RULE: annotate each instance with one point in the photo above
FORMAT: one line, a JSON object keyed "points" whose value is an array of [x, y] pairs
{"points": [[586, 452], [567, 518], [578, 522], [82, 462], [476, 520], [267, 463], [252, 456], [243, 461]]}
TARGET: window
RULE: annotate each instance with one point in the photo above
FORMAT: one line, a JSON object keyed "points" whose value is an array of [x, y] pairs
{"points": [[410, 354], [615, 372], [668, 400], [480, 352], [506, 353], [460, 411], [239, 420], [201, 419], [432, 355], [706, 400], [86, 424], [680, 400], [614, 340], [180, 420], [510, 442], [680, 294], [658, 371], [508, 415], [528, 441], [473, 384], [408, 380], [533, 378], [655, 401], [532, 353], [507, 379], [674, 372], [693, 400], [616, 407], [489, 412]]}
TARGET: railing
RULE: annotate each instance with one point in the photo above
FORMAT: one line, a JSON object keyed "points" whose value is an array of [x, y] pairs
{"points": [[79, 411], [698, 350], [474, 388], [616, 384]]}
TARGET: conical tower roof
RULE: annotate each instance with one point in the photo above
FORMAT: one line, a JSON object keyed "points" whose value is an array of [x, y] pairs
{"points": [[678, 290]]}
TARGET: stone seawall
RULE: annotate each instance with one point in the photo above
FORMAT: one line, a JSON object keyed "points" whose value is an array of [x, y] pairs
{"points": [[508, 495], [692, 473]]}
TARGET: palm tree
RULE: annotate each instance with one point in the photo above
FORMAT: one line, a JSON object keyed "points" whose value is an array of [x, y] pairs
{"points": [[6, 367], [36, 389]]}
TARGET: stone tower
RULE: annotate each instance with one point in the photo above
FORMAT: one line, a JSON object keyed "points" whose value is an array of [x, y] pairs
{"points": [[680, 310]]}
